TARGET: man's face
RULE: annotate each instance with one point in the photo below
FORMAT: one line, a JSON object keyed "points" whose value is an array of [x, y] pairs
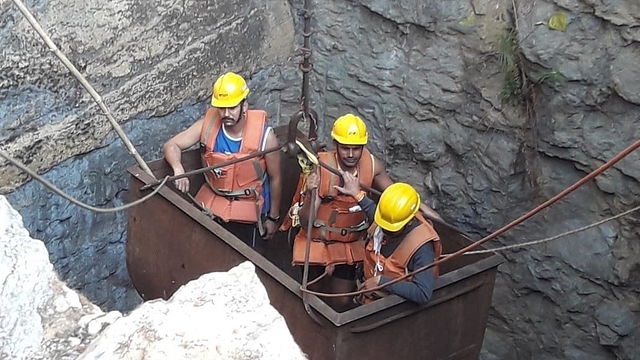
{"points": [[391, 234], [231, 116], [349, 155]]}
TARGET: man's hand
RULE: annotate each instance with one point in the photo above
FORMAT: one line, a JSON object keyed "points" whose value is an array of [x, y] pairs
{"points": [[329, 269], [351, 185], [367, 285], [270, 228], [370, 283], [183, 183], [430, 212], [172, 151]]}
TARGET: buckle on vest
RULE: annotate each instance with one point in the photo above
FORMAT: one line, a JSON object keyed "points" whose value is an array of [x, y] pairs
{"points": [[247, 192], [343, 232], [218, 172], [326, 199], [232, 198]]}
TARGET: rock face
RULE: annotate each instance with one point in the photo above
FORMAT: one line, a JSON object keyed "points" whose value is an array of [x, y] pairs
{"points": [[41, 317], [426, 75], [218, 316], [87, 249], [143, 59], [152, 64]]}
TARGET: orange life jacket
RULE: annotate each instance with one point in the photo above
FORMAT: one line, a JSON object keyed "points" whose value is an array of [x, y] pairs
{"points": [[234, 192], [396, 265], [338, 233]]}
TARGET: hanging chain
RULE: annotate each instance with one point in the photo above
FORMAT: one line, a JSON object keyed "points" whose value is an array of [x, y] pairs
{"points": [[306, 66]]}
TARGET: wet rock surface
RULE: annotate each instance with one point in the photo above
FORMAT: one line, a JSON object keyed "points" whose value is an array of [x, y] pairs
{"points": [[86, 248], [144, 59], [427, 79]]}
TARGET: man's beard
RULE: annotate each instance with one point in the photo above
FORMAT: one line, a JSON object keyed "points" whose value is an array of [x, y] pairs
{"points": [[230, 121]]}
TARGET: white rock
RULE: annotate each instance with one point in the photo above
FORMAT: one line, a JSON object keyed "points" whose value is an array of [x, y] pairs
{"points": [[218, 316], [39, 314], [97, 324], [69, 300], [74, 341]]}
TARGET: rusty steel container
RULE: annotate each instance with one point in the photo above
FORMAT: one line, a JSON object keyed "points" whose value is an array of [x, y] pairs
{"points": [[170, 242]]}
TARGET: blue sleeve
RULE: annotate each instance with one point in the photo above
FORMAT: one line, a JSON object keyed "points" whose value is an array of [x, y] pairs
{"points": [[369, 207], [420, 289]]}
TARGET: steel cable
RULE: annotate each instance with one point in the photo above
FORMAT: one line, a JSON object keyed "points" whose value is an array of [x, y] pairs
{"points": [[53, 188], [555, 237], [83, 81], [498, 232]]}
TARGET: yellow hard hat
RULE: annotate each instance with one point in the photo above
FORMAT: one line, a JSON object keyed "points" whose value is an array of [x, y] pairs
{"points": [[350, 130], [397, 206], [229, 90]]}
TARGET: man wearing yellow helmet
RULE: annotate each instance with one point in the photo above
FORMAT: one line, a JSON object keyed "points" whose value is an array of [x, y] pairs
{"points": [[340, 224], [243, 197], [399, 241]]}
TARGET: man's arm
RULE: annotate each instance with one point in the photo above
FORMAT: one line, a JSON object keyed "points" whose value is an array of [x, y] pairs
{"points": [[352, 188], [429, 212], [369, 207], [381, 181], [275, 181], [420, 289], [172, 150]]}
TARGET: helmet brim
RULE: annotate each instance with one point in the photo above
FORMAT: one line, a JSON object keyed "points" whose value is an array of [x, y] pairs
{"points": [[343, 141], [228, 103], [388, 226]]}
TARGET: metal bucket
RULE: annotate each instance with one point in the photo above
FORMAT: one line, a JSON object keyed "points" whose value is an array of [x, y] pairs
{"points": [[170, 242]]}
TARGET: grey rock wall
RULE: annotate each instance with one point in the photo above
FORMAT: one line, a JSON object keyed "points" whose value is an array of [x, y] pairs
{"points": [[426, 77], [86, 248], [144, 59], [154, 65]]}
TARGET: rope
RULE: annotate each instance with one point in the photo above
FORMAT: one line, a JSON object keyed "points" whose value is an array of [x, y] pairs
{"points": [[98, 99], [545, 240], [312, 216], [498, 232], [313, 158], [217, 166], [317, 279], [52, 187]]}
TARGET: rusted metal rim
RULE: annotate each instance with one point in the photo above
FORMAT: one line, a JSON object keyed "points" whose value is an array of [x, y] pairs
{"points": [[336, 318]]}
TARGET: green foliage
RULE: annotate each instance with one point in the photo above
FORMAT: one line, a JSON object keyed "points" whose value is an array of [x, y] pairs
{"points": [[516, 84], [510, 60]]}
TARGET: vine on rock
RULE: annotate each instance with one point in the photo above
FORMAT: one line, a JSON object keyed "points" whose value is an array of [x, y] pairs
{"points": [[521, 89]]}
